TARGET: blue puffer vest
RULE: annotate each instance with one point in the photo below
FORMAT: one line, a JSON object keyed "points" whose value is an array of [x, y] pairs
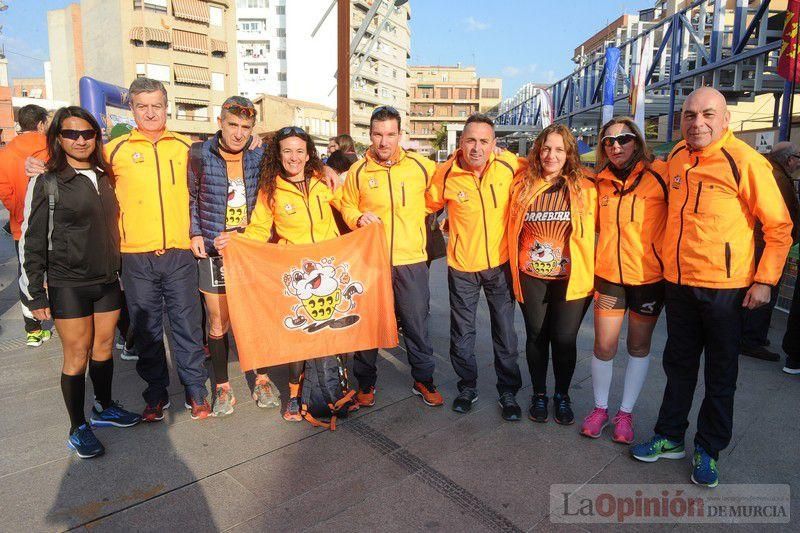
{"points": [[208, 188]]}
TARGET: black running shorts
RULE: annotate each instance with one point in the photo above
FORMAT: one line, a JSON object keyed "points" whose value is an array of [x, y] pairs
{"points": [[79, 302], [643, 300]]}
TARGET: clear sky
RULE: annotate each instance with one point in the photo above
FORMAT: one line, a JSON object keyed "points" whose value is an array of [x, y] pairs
{"points": [[517, 40]]}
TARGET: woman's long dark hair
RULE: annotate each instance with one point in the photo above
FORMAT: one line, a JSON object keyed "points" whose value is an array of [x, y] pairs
{"points": [[272, 169], [58, 157]]}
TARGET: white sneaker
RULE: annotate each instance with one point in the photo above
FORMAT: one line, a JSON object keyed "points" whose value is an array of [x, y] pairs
{"points": [[128, 354]]}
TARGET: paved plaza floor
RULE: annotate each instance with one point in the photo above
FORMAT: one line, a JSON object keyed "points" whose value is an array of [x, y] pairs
{"points": [[398, 466]]}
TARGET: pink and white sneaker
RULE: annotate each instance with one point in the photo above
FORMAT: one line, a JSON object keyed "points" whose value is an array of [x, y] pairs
{"points": [[594, 423], [623, 428]]}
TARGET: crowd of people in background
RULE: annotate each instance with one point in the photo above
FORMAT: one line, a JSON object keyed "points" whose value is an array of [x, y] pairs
{"points": [[138, 224]]}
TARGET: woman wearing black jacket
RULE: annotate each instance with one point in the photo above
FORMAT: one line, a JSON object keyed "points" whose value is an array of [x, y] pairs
{"points": [[70, 240]]}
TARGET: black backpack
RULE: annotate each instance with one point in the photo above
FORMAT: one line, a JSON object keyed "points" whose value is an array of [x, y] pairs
{"points": [[326, 394]]}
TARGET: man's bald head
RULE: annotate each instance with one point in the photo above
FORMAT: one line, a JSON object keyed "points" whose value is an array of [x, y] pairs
{"points": [[704, 117]]}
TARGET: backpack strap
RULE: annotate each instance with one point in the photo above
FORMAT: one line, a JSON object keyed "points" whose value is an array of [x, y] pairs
{"points": [[51, 189]]}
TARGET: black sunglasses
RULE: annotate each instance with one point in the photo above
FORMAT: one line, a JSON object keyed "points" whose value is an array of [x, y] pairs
{"points": [[387, 108], [622, 139], [288, 131], [74, 135]]}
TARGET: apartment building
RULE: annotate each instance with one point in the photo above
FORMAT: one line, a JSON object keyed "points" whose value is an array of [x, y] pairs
{"points": [[446, 95], [189, 45], [278, 56], [29, 88]]}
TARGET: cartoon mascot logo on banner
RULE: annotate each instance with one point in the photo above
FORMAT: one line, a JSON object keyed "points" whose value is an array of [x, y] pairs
{"points": [[326, 296]]}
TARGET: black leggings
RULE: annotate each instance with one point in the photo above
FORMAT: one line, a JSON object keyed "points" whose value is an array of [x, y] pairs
{"points": [[551, 321]]}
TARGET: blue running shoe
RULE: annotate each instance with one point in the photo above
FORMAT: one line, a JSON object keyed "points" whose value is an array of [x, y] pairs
{"points": [[85, 443], [656, 448], [705, 468], [114, 416]]}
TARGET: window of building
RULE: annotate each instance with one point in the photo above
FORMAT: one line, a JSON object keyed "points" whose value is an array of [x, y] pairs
{"points": [[256, 70], [254, 49], [217, 81], [281, 32], [196, 113], [490, 93], [280, 10], [443, 92], [281, 54], [252, 25], [215, 16], [252, 3], [281, 76], [159, 6], [153, 71], [463, 94]]}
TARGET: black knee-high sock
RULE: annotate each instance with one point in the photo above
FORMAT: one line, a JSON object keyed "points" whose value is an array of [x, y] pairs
{"points": [[102, 373], [74, 390], [218, 347]]}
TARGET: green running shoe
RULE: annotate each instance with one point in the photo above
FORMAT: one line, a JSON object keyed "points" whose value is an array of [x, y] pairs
{"points": [[656, 448], [705, 468], [39, 337]]}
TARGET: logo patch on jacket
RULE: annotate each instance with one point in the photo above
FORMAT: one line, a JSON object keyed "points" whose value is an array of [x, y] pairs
{"points": [[604, 201], [462, 197], [373, 183], [289, 208], [676, 182], [137, 157]]}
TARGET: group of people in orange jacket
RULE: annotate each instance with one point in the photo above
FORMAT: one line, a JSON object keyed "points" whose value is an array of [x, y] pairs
{"points": [[638, 236]]}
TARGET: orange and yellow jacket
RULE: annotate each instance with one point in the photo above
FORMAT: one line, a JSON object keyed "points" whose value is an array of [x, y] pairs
{"points": [[631, 217], [13, 180], [152, 190], [396, 194], [582, 208], [715, 196], [298, 218], [477, 210]]}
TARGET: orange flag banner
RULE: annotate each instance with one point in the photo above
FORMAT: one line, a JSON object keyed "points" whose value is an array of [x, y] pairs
{"points": [[294, 302], [788, 60]]}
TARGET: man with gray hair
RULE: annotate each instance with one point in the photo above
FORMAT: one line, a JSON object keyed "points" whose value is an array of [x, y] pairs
{"points": [[785, 159], [158, 269]]}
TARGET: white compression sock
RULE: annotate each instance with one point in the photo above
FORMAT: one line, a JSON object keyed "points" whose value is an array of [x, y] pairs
{"points": [[635, 374], [601, 381]]}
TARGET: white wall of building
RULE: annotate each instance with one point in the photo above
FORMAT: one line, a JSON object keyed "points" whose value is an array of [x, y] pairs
{"points": [[260, 43], [311, 62]]}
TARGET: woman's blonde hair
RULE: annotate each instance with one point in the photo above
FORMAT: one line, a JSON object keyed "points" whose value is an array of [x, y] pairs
{"points": [[641, 153], [572, 171]]}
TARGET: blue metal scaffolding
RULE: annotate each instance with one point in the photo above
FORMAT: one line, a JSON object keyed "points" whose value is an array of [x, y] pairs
{"points": [[733, 49]]}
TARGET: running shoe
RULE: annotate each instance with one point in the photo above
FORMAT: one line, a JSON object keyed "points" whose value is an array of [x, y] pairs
{"points": [[266, 394], [129, 354], [292, 412], [113, 415], [509, 408], [85, 444], [658, 447], [223, 402], [538, 410], [154, 413], [562, 409], [623, 427], [594, 424], [705, 468], [366, 398], [200, 410], [38, 337], [792, 366], [463, 402], [427, 390]]}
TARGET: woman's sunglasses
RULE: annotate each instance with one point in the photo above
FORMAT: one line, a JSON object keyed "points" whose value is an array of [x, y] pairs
{"points": [[74, 135], [622, 139], [291, 130]]}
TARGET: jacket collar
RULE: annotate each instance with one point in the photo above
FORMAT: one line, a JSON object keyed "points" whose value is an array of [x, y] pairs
{"points": [[712, 148], [458, 169], [284, 185], [607, 175], [374, 164], [68, 173], [137, 135], [214, 144]]}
